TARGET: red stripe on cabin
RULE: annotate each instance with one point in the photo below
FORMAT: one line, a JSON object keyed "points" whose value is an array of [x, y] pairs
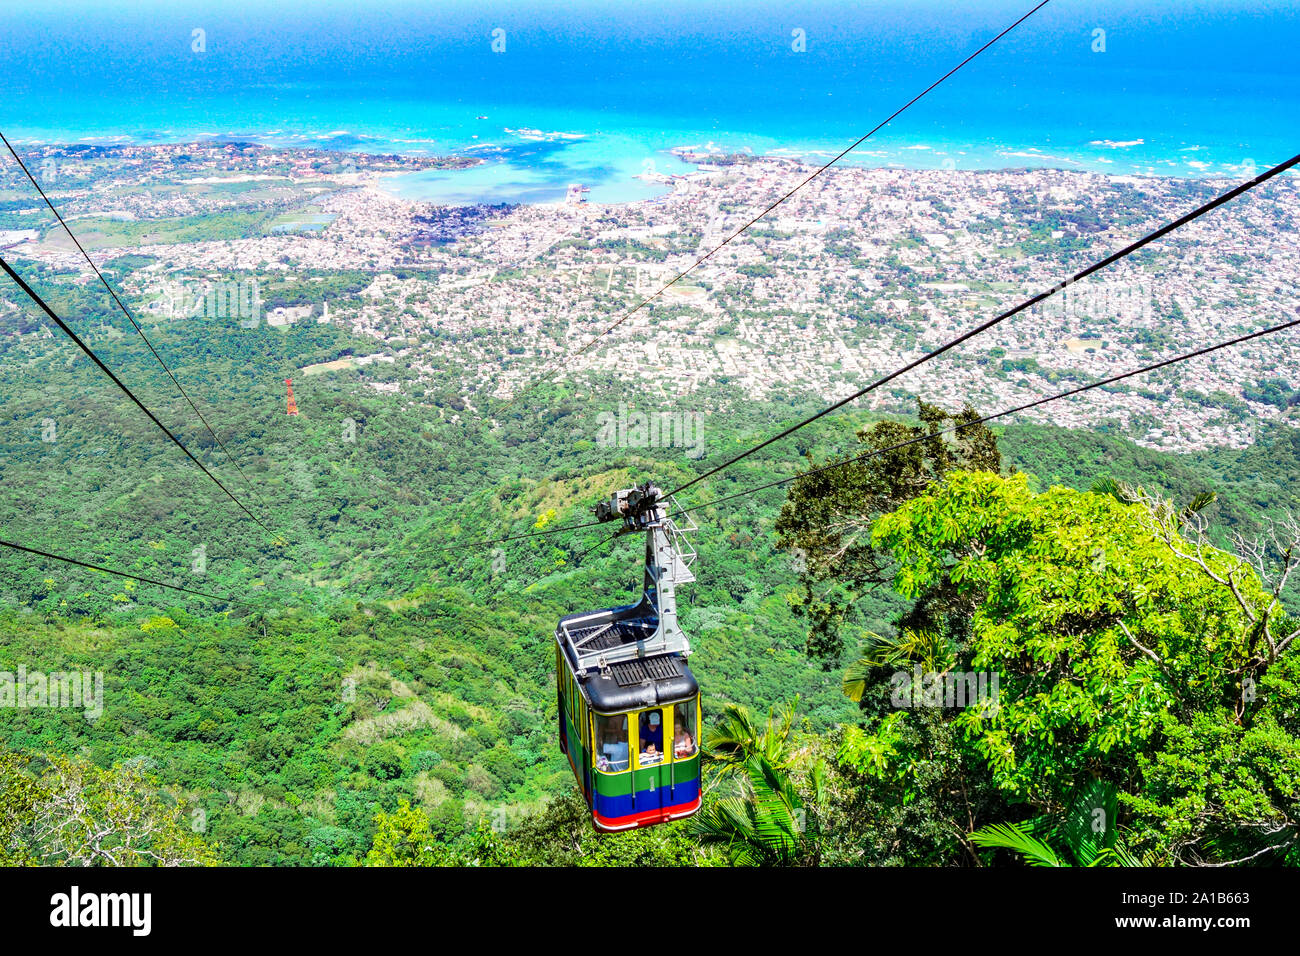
{"points": [[646, 817]]}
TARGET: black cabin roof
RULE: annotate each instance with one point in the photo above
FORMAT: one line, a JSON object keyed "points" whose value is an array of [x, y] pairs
{"points": [[644, 682], [631, 684]]}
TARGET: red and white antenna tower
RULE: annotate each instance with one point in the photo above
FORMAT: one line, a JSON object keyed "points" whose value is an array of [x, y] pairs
{"points": [[293, 406]]}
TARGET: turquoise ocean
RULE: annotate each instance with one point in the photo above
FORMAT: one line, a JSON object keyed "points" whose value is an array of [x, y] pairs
{"points": [[549, 94]]}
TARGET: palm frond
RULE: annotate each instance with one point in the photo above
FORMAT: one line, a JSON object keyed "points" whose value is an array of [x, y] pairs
{"points": [[1116, 856], [1011, 836], [737, 737], [1122, 492], [855, 678], [1090, 823]]}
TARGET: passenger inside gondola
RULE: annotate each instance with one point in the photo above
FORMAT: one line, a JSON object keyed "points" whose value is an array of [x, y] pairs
{"points": [[683, 744], [652, 737], [613, 754], [684, 730]]}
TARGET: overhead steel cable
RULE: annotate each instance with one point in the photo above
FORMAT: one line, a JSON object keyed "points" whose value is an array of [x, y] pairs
{"points": [[1028, 303], [35, 297], [603, 542], [125, 574], [1002, 414], [130, 318], [551, 367]]}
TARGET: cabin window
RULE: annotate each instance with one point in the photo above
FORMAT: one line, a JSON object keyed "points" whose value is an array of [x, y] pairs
{"points": [[684, 738], [611, 743], [651, 733]]}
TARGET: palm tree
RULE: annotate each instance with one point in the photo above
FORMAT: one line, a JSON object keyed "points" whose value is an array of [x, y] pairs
{"points": [[736, 738], [1020, 838], [763, 820], [1086, 842], [922, 646], [767, 823]]}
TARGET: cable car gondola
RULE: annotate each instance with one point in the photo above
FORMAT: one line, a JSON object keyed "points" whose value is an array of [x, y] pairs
{"points": [[629, 707]]}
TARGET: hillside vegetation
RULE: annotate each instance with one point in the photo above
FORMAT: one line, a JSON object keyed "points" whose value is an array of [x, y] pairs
{"points": [[377, 698]]}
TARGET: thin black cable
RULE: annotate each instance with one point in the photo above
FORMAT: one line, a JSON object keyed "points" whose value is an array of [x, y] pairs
{"points": [[124, 574], [130, 317], [988, 418], [953, 343], [35, 297], [603, 542], [813, 175]]}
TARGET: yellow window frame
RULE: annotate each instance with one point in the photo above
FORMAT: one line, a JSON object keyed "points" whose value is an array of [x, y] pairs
{"points": [[667, 712], [666, 716], [592, 714], [699, 718]]}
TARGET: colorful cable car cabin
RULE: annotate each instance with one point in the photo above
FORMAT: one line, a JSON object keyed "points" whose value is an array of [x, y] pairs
{"points": [[629, 706]]}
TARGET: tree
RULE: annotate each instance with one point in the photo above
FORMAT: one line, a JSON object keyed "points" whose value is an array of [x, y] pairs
{"points": [[76, 814], [1020, 838], [403, 838], [384, 761], [1123, 649], [1087, 833], [767, 823], [828, 514], [20, 797], [753, 807], [563, 835], [735, 739]]}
